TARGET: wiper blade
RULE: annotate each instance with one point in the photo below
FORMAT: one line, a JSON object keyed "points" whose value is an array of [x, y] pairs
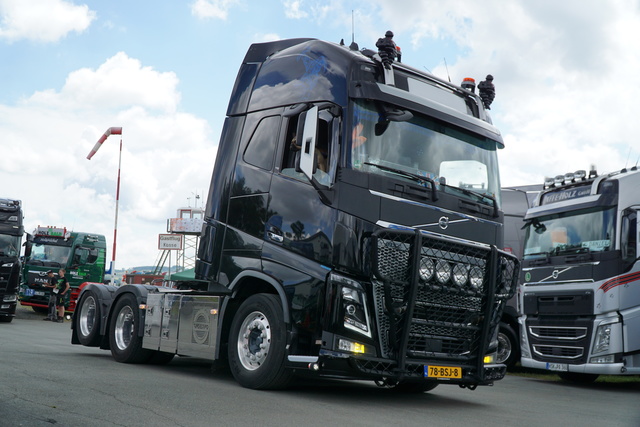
{"points": [[482, 198], [410, 175]]}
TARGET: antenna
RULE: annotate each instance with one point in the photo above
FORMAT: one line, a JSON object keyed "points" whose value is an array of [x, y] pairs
{"points": [[627, 162], [447, 68], [353, 31]]}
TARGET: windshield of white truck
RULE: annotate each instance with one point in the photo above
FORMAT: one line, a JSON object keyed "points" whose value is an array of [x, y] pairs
{"points": [[9, 245], [49, 255], [456, 161], [588, 230]]}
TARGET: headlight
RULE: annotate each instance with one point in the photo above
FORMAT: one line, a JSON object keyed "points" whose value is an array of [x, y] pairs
{"points": [[354, 305], [10, 298], [443, 271], [9, 264], [602, 338]]}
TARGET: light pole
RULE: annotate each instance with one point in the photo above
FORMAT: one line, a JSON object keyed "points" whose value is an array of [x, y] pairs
{"points": [[103, 138]]}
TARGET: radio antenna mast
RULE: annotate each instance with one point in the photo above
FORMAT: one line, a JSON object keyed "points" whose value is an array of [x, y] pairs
{"points": [[353, 31], [447, 68]]}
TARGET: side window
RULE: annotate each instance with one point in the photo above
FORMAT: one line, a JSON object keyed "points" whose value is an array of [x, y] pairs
{"points": [[326, 133], [261, 148]]}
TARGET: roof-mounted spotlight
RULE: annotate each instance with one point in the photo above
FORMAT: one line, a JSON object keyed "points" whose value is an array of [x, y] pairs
{"points": [[558, 180], [548, 182], [580, 175], [568, 178]]}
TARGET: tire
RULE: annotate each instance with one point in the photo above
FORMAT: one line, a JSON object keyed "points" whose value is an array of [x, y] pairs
{"points": [[6, 319], [257, 343], [508, 346], [414, 386], [87, 320], [125, 344], [578, 378]]}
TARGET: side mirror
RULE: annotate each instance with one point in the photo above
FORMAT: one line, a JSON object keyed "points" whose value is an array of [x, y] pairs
{"points": [[308, 142]]}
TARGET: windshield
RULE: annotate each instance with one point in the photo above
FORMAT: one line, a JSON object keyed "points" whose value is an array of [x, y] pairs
{"points": [[54, 256], [590, 230], [9, 245], [459, 162]]}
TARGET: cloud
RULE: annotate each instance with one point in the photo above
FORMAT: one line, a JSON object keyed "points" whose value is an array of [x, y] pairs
{"points": [[166, 155], [293, 9], [43, 21], [562, 72], [217, 9]]}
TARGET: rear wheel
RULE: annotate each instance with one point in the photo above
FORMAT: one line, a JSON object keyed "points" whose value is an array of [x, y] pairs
{"points": [[257, 344], [87, 319], [126, 345]]}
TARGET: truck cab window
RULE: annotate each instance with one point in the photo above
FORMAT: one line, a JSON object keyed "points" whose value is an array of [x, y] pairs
{"points": [[629, 238], [262, 146], [323, 149]]}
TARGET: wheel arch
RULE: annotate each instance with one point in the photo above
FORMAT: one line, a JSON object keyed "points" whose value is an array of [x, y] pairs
{"points": [[140, 293], [246, 284]]}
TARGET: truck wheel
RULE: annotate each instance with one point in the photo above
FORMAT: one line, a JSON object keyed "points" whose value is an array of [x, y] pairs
{"points": [[126, 345], [508, 346], [576, 377], [88, 319], [257, 344], [414, 387]]}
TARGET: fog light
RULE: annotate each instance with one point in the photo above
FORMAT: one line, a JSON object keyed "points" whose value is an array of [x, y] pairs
{"points": [[460, 274], [426, 269], [443, 271], [489, 359], [353, 347], [602, 359]]}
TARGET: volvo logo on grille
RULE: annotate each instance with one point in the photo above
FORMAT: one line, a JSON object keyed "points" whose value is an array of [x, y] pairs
{"points": [[443, 222], [555, 274]]}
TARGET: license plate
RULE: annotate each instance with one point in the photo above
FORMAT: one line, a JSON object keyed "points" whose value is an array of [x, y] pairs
{"points": [[39, 293], [562, 367], [432, 371], [28, 292]]}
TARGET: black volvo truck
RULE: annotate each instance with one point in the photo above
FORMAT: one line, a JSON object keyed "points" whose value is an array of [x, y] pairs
{"points": [[352, 230]]}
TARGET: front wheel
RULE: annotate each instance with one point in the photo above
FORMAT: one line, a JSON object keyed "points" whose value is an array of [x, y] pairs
{"points": [[126, 345], [257, 344], [88, 319], [508, 346]]}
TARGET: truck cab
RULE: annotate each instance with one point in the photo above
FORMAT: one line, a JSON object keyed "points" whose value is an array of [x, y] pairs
{"points": [[11, 231], [82, 255], [580, 294]]}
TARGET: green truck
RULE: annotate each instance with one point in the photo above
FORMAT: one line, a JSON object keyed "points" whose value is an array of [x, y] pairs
{"points": [[82, 255]]}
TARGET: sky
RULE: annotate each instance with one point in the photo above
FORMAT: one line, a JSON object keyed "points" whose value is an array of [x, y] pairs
{"points": [[567, 92]]}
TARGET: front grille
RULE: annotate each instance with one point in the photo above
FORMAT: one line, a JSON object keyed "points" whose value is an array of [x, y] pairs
{"points": [[422, 312], [561, 333], [562, 352]]}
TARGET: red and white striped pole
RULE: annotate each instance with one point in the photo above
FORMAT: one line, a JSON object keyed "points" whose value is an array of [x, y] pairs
{"points": [[103, 138]]}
